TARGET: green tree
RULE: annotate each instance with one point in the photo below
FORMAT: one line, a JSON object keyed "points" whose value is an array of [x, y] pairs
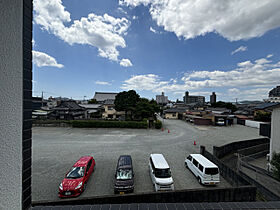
{"points": [[275, 162], [262, 116], [145, 108], [126, 101], [92, 101]]}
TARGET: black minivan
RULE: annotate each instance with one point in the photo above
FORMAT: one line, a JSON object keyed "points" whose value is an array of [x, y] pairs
{"points": [[124, 176]]}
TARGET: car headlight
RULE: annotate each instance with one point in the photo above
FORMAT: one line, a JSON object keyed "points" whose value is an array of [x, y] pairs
{"points": [[60, 186], [79, 185]]}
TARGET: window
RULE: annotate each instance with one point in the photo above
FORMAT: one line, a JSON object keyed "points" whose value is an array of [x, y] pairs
{"points": [[89, 165], [200, 167], [195, 162], [211, 171]]}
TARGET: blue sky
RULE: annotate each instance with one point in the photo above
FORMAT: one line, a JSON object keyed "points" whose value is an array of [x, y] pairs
{"points": [[83, 46]]}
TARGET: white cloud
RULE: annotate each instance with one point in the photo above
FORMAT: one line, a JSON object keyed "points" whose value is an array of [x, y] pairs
{"points": [[234, 19], [104, 32], [134, 17], [33, 43], [102, 83], [259, 75], [125, 62], [269, 56], [239, 49], [42, 59], [152, 30]]}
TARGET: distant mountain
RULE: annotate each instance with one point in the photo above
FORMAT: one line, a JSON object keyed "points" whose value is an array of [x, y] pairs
{"points": [[250, 102]]}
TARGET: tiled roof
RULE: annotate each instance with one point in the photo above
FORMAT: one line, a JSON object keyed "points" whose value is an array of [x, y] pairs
{"points": [[69, 105], [102, 96], [267, 106]]}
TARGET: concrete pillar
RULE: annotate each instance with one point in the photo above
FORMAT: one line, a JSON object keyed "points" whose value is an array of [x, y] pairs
{"points": [[275, 132], [15, 105]]}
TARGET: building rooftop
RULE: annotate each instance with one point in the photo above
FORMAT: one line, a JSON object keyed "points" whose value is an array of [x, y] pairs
{"points": [[266, 106], [102, 96]]}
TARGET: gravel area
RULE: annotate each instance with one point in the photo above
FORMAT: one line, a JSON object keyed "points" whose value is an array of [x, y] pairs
{"points": [[55, 150]]}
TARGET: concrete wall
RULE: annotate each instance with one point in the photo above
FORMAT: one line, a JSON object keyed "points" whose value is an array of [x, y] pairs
{"points": [[275, 131], [202, 121], [11, 89], [215, 194], [253, 124], [237, 145]]}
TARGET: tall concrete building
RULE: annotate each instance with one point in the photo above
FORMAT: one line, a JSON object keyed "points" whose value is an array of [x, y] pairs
{"points": [[213, 98], [162, 99], [188, 99]]}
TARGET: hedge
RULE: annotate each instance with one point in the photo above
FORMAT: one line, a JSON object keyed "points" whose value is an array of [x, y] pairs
{"points": [[51, 121], [158, 124], [108, 124]]}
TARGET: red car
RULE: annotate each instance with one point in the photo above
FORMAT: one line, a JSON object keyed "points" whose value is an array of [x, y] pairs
{"points": [[76, 179]]}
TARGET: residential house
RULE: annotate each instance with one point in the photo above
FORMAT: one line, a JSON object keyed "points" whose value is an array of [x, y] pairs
{"points": [[174, 113], [67, 110], [93, 110], [110, 112]]}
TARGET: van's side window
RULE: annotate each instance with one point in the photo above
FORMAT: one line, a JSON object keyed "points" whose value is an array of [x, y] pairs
{"points": [[195, 162], [200, 168], [189, 158]]}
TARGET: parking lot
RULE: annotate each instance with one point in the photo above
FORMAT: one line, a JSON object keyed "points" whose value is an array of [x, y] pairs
{"points": [[55, 150]]}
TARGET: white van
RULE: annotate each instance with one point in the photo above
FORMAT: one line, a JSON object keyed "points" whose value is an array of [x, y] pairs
{"points": [[205, 171], [160, 173]]}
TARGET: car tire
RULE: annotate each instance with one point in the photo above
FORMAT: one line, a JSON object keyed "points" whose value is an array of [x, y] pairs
{"points": [[186, 165], [199, 181]]}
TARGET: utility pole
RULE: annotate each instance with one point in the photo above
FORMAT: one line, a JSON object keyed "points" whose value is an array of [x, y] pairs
{"points": [[42, 98], [236, 100]]}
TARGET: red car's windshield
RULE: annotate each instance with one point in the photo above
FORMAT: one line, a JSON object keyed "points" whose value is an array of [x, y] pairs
{"points": [[76, 172]]}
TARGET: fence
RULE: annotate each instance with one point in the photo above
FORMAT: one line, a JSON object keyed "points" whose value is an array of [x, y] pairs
{"points": [[228, 173], [259, 177], [221, 151]]}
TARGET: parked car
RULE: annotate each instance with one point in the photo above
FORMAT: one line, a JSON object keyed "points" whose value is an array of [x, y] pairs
{"points": [[220, 121], [204, 170], [160, 173], [75, 180], [124, 176]]}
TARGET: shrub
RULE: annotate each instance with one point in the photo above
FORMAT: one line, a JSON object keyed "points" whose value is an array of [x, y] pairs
{"points": [[158, 124], [108, 124], [275, 162]]}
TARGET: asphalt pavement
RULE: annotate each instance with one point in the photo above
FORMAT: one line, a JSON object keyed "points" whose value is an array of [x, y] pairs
{"points": [[56, 149]]}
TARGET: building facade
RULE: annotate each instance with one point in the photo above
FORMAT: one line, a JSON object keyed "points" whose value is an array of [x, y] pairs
{"points": [[275, 132], [110, 112], [213, 98], [274, 95], [162, 99], [188, 99]]}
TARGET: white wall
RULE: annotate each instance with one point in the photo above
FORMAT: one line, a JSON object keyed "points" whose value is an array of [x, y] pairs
{"points": [[11, 73], [275, 131], [253, 124]]}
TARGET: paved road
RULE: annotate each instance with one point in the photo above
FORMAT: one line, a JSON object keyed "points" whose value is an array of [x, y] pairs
{"points": [[56, 149]]}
